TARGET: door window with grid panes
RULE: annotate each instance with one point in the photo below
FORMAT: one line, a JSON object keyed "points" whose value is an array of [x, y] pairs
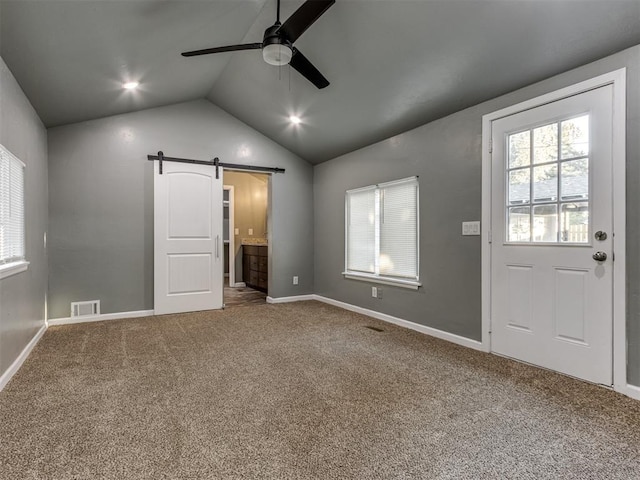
{"points": [[547, 178]]}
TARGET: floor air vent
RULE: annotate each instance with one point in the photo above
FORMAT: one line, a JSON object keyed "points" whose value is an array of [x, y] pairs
{"points": [[375, 329], [85, 309]]}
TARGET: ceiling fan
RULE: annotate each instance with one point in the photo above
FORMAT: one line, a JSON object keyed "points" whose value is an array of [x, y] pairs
{"points": [[277, 44]]}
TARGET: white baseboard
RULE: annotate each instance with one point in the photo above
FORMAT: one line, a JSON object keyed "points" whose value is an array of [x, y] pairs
{"points": [[434, 332], [296, 298], [17, 363], [630, 391], [99, 318], [239, 284]]}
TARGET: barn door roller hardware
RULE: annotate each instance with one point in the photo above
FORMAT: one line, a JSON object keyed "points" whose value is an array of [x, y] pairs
{"points": [[214, 163]]}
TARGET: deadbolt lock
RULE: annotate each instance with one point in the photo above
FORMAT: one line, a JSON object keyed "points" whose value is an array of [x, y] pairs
{"points": [[600, 235]]}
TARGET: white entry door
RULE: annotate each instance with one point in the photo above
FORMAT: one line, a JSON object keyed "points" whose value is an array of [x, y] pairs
{"points": [[551, 224], [188, 257]]}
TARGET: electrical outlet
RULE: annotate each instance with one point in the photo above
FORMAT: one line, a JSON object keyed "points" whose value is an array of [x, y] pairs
{"points": [[251, 231], [379, 293], [470, 228], [374, 292], [295, 280]]}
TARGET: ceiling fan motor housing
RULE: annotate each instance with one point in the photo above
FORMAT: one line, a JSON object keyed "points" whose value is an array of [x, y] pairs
{"points": [[276, 49]]}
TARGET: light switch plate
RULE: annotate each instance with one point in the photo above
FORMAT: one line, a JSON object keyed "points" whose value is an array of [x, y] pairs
{"points": [[470, 228], [236, 231], [251, 231]]}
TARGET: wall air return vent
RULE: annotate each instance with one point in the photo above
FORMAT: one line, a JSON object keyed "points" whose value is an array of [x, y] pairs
{"points": [[85, 309]]}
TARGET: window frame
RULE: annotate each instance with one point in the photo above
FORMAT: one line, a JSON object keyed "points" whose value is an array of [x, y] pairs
{"points": [[377, 278], [17, 265]]}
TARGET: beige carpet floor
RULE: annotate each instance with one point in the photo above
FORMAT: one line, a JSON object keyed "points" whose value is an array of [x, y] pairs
{"points": [[297, 391]]}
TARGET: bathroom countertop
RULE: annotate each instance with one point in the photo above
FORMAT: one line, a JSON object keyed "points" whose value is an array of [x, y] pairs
{"points": [[255, 241]]}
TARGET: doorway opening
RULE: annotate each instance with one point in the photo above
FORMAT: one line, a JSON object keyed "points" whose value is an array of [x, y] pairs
{"points": [[246, 233]]}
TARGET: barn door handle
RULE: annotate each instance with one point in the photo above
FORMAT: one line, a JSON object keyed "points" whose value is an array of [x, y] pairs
{"points": [[218, 246], [599, 256]]}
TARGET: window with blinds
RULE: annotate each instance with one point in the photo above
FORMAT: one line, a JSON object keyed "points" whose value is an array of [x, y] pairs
{"points": [[382, 232], [12, 247]]}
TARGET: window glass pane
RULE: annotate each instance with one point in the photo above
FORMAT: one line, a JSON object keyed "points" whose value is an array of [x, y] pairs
{"points": [[361, 221], [574, 182], [545, 223], [575, 222], [545, 183], [399, 230], [519, 224], [519, 186], [16, 233], [575, 137], [545, 143], [520, 149]]}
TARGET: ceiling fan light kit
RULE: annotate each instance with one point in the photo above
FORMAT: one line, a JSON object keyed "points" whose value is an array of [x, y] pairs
{"points": [[277, 43], [277, 54], [276, 50]]}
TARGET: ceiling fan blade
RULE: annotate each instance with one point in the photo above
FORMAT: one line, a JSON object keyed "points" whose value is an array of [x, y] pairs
{"points": [[304, 17], [307, 70], [228, 48]]}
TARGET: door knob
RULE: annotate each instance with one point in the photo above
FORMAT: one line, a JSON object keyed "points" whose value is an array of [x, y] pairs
{"points": [[599, 256]]}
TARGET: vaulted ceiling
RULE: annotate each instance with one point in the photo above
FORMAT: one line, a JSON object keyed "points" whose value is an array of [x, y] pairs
{"points": [[392, 64]]}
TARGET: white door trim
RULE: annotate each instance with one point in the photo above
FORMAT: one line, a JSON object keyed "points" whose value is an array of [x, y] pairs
{"points": [[617, 79], [232, 237]]}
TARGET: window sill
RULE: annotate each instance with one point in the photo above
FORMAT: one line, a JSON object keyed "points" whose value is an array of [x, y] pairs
{"points": [[396, 282], [13, 268]]}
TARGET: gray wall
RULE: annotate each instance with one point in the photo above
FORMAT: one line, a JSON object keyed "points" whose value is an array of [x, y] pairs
{"points": [[446, 154], [101, 201], [22, 296]]}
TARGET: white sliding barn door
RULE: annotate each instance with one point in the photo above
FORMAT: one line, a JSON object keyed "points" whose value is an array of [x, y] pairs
{"points": [[552, 233], [188, 256]]}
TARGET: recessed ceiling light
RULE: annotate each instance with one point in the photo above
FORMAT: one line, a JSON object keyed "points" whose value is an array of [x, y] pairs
{"points": [[295, 120], [130, 85]]}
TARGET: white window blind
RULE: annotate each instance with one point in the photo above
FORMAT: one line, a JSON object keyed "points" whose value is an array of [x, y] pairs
{"points": [[11, 208], [382, 231], [361, 230], [399, 229]]}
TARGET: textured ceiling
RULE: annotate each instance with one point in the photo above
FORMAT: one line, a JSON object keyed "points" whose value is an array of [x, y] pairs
{"points": [[392, 64]]}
